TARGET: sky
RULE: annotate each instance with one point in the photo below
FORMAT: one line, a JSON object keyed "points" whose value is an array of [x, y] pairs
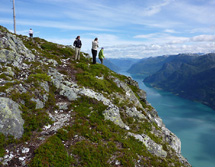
{"points": [[125, 28]]}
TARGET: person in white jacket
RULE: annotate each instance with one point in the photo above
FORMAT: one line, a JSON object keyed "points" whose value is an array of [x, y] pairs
{"points": [[31, 33], [95, 46]]}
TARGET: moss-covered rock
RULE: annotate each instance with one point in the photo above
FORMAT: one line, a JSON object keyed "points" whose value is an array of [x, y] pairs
{"points": [[11, 122]]}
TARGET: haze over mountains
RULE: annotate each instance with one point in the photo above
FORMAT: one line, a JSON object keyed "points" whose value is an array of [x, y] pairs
{"points": [[120, 64]]}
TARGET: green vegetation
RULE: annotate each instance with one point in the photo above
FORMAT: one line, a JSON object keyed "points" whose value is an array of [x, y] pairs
{"points": [[38, 78], [52, 153], [89, 77], [3, 76], [3, 29], [43, 48], [6, 86], [34, 119], [93, 141], [4, 141]]}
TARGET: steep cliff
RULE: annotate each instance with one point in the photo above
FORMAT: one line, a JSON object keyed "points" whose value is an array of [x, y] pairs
{"points": [[55, 111]]}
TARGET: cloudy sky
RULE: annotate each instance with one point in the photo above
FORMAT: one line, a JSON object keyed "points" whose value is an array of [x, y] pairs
{"points": [[126, 28]]}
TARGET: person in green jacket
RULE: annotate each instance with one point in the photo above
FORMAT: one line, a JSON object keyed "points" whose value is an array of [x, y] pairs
{"points": [[101, 55]]}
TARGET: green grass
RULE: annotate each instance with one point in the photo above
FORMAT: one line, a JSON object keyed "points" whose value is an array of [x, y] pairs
{"points": [[38, 78], [34, 119], [3, 29], [52, 153], [88, 78], [4, 141]]}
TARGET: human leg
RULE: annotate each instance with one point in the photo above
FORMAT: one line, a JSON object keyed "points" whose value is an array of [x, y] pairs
{"points": [[76, 53], [79, 51], [101, 61], [94, 53]]}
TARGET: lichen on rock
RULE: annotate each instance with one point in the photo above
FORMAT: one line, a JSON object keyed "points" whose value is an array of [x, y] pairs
{"points": [[151, 146], [11, 122]]}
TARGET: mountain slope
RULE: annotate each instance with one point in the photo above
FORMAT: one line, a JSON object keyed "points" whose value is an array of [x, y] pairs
{"points": [[188, 76], [55, 111], [123, 63], [108, 63], [149, 65]]}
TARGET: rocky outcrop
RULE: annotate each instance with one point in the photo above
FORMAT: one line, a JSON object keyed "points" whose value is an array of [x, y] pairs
{"points": [[71, 90], [152, 147], [11, 122], [16, 51]]}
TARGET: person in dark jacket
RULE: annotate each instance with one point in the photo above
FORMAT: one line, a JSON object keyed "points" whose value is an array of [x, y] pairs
{"points": [[77, 43]]}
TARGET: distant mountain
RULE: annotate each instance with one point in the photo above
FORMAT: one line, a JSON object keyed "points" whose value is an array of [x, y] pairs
{"points": [[188, 76], [123, 63], [150, 65], [110, 65]]}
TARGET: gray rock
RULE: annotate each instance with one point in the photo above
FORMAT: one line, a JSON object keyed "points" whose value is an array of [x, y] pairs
{"points": [[9, 72], [172, 139], [2, 94], [142, 94], [7, 56], [112, 114], [22, 89], [86, 55], [58, 80], [133, 112], [62, 105], [17, 53], [151, 146], [39, 104], [45, 86], [112, 111], [54, 62], [132, 82], [129, 93], [11, 122], [45, 97], [68, 92]]}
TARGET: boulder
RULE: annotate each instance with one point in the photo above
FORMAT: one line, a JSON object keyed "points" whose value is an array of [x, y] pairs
{"points": [[151, 146], [11, 122]]}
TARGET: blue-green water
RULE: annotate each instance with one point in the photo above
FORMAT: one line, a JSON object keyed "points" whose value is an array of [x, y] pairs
{"points": [[192, 122]]}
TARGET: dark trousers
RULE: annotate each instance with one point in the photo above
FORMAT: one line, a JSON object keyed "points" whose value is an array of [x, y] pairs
{"points": [[101, 61], [94, 53]]}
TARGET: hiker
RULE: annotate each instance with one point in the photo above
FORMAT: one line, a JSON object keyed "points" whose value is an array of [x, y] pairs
{"points": [[101, 55], [31, 33], [95, 46], [77, 43]]}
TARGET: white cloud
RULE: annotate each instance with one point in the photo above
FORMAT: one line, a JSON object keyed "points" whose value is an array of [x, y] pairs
{"points": [[169, 31], [154, 9], [145, 36], [53, 24], [203, 38]]}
